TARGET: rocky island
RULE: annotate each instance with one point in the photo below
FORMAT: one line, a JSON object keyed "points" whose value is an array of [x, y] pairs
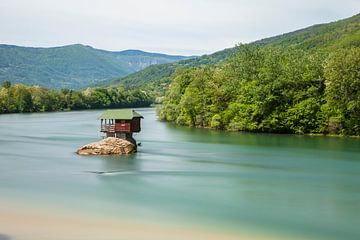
{"points": [[108, 146]]}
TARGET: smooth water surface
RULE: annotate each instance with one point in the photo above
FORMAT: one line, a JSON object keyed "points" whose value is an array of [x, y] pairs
{"points": [[308, 187]]}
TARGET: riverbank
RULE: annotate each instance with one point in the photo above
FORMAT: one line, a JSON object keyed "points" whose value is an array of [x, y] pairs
{"points": [[20, 98], [267, 133]]}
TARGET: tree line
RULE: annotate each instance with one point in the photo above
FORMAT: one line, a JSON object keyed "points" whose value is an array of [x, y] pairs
{"points": [[277, 90], [19, 98]]}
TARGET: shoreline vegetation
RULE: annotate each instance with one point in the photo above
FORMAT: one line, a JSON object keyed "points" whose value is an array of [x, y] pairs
{"points": [[264, 90], [302, 82], [20, 98], [270, 90]]}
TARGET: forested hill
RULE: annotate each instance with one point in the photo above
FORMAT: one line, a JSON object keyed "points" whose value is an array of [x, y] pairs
{"points": [[157, 75], [330, 36], [342, 33], [73, 66], [304, 82]]}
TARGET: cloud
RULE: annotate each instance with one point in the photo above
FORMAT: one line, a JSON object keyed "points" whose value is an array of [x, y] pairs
{"points": [[173, 26]]}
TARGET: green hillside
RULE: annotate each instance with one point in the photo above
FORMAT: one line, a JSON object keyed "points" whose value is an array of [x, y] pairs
{"points": [[74, 66], [158, 74], [342, 33], [330, 36], [307, 81]]}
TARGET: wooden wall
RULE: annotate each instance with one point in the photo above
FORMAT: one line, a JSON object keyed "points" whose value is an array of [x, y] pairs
{"points": [[135, 125], [128, 126]]}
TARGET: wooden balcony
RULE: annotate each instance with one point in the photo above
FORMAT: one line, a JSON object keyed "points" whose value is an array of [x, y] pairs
{"points": [[117, 127], [108, 128]]}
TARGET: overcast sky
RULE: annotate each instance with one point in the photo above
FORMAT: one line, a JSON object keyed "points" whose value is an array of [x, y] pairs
{"points": [[190, 27]]}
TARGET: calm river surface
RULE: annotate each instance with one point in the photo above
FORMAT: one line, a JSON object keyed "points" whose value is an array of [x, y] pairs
{"points": [[302, 186]]}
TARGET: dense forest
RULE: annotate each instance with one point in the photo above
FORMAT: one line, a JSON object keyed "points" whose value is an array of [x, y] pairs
{"points": [[328, 37], [21, 98], [270, 89]]}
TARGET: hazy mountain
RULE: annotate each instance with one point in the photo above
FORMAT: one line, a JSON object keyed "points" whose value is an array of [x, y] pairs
{"points": [[72, 66]]}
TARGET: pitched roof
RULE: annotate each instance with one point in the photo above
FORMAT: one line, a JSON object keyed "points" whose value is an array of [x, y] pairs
{"points": [[126, 114]]}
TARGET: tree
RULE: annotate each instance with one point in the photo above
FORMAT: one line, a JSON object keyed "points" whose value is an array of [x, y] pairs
{"points": [[6, 84], [342, 72], [22, 98], [257, 89]]}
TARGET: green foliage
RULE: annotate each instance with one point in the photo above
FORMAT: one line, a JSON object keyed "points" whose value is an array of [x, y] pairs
{"points": [[21, 98], [335, 35], [155, 79], [319, 38], [342, 71], [74, 66], [307, 81], [6, 84], [280, 90]]}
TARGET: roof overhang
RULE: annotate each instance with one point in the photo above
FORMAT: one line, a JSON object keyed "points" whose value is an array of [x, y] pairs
{"points": [[123, 114]]}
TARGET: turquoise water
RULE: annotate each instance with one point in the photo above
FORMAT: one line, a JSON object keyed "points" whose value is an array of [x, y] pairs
{"points": [[308, 187]]}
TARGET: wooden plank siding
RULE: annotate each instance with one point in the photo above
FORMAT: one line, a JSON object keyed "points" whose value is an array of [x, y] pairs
{"points": [[121, 126], [135, 125], [107, 128]]}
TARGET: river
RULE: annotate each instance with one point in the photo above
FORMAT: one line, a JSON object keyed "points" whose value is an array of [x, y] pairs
{"points": [[272, 186]]}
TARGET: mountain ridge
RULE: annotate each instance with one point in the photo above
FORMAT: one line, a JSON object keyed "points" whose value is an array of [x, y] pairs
{"points": [[341, 33], [73, 66]]}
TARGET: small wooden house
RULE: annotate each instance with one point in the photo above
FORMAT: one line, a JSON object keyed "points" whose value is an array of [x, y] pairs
{"points": [[121, 123]]}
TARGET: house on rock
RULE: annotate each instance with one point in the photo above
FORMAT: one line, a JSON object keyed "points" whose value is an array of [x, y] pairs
{"points": [[121, 123]]}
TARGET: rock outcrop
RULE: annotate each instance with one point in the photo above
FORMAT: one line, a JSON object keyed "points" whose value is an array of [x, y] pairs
{"points": [[108, 146]]}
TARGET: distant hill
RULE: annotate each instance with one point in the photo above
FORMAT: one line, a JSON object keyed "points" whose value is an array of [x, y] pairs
{"points": [[161, 73], [73, 66], [340, 34]]}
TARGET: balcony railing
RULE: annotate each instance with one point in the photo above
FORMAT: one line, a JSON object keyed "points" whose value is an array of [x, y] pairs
{"points": [[108, 128], [119, 127]]}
